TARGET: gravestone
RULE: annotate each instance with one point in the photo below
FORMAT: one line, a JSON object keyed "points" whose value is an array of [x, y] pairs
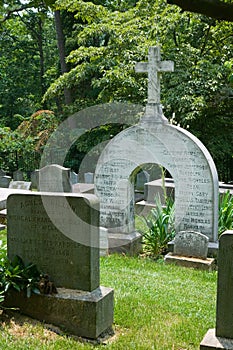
{"points": [[190, 243], [54, 178], [35, 179], [154, 140], [190, 250], [89, 178], [60, 234], [222, 336], [141, 178], [73, 177], [5, 181], [20, 185], [18, 175]]}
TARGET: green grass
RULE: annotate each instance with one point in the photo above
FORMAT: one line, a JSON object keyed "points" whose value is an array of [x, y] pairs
{"points": [[157, 306]]}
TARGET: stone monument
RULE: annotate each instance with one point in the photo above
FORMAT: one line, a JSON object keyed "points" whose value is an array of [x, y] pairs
{"points": [[222, 336], [18, 175], [154, 140], [5, 181], [60, 234], [190, 250], [54, 178]]}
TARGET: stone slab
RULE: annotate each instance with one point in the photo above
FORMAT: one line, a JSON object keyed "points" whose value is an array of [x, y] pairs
{"points": [[83, 188], [85, 314], [130, 243], [6, 192], [212, 248], [59, 233], [54, 178], [210, 342], [201, 264]]}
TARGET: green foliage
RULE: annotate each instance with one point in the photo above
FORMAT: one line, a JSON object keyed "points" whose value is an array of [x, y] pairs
{"points": [[225, 221], [28, 47], [159, 228], [22, 148], [15, 274], [109, 40]]}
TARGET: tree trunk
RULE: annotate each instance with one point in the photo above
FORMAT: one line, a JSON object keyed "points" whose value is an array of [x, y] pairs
{"points": [[61, 50], [41, 53]]}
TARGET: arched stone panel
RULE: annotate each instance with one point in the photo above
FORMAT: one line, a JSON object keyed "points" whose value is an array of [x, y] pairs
{"points": [[182, 154]]}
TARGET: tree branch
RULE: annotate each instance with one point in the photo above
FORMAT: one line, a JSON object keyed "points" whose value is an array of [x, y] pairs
{"points": [[213, 8]]}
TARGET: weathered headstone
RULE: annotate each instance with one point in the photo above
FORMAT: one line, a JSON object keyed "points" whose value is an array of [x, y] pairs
{"points": [[89, 178], [142, 177], [18, 175], [54, 178], [73, 177], [153, 140], [20, 185], [60, 234], [5, 181], [35, 179], [190, 250], [190, 243], [222, 336]]}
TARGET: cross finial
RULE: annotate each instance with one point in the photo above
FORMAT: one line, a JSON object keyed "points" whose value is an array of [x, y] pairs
{"points": [[154, 67]]}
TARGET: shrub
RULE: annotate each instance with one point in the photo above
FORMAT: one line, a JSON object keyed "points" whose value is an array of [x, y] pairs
{"points": [[159, 228]]}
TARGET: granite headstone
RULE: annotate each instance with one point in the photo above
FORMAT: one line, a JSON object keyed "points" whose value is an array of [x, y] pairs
{"points": [[60, 234], [54, 178], [5, 181], [191, 243]]}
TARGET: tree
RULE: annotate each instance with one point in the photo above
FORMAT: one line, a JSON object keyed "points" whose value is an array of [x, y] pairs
{"points": [[28, 47], [213, 8], [110, 42]]}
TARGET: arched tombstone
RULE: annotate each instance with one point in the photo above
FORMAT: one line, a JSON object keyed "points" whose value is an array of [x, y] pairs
{"points": [[154, 140]]}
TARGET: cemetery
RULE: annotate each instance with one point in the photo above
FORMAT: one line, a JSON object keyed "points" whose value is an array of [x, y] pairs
{"points": [[116, 175]]}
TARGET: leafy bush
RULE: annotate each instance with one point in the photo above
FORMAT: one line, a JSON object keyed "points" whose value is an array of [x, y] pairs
{"points": [[225, 220], [15, 274], [159, 228]]}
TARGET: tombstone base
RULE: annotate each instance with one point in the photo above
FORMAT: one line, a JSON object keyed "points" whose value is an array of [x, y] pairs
{"points": [[212, 248], [207, 264], [210, 342], [127, 243], [85, 314]]}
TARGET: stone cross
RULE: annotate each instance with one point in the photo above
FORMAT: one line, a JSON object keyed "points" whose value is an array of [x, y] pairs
{"points": [[154, 67]]}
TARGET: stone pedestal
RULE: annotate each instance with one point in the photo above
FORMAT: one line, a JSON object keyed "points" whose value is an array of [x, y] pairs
{"points": [[201, 264], [130, 243], [211, 341], [85, 314]]}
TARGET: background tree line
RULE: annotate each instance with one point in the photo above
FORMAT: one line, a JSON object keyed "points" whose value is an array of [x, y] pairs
{"points": [[66, 55]]}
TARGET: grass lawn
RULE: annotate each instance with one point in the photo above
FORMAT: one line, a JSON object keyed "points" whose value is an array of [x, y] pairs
{"points": [[157, 306]]}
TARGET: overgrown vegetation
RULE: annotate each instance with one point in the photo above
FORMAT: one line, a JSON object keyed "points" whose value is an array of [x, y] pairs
{"points": [[158, 228], [15, 274]]}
